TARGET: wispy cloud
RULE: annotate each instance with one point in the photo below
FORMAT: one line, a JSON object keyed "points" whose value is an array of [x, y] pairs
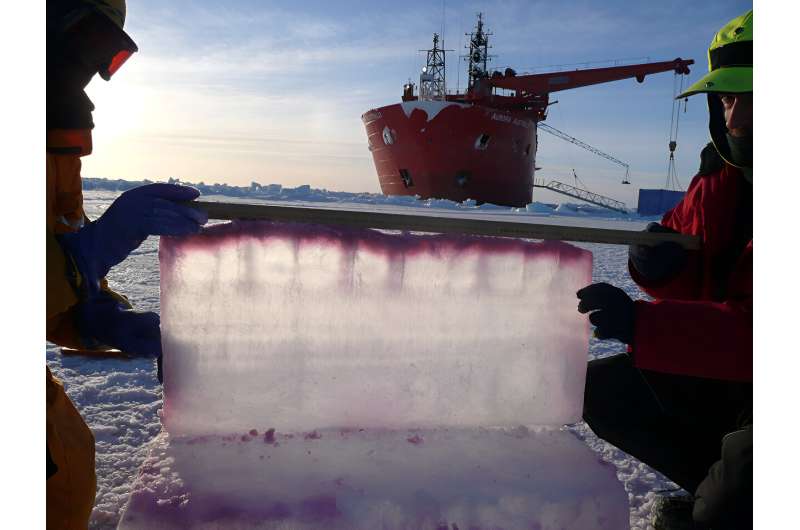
{"points": [[248, 87]]}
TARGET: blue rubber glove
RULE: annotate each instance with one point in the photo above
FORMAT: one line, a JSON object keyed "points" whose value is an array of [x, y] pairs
{"points": [[144, 211], [103, 321], [613, 312], [658, 262]]}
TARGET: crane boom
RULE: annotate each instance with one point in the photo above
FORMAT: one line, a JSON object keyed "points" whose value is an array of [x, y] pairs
{"points": [[531, 93], [564, 136], [555, 81]]}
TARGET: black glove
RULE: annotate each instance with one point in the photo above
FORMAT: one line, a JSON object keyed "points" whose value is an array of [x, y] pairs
{"points": [[658, 262], [612, 311]]}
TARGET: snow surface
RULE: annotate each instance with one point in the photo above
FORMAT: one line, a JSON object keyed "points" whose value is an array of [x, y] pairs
{"points": [[121, 399]]}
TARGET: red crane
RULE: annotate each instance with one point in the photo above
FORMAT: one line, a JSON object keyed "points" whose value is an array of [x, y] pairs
{"points": [[531, 92], [555, 81]]}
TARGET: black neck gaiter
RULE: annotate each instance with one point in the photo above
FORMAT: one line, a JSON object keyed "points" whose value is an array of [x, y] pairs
{"points": [[68, 106], [741, 148]]}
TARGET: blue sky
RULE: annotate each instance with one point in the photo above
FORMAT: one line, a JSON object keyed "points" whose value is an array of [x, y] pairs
{"points": [[273, 91]]}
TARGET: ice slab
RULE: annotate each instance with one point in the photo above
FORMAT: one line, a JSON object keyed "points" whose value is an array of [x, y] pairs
{"points": [[306, 327], [443, 479], [318, 378]]}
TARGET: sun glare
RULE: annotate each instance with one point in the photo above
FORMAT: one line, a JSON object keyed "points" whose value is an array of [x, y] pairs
{"points": [[118, 108]]}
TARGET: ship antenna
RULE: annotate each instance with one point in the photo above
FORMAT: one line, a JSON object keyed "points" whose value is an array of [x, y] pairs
{"points": [[478, 53], [458, 65], [444, 57], [432, 79], [443, 17]]}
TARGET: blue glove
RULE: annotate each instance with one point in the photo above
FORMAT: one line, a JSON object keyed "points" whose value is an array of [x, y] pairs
{"points": [[612, 311], [102, 320], [144, 211], [658, 262]]}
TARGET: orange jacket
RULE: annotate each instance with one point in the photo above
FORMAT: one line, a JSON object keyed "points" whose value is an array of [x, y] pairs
{"points": [[71, 490], [65, 214]]}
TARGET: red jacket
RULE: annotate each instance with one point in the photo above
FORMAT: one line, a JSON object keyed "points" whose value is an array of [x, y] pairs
{"points": [[701, 322]]}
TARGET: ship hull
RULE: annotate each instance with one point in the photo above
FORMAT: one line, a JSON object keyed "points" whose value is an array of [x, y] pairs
{"points": [[448, 150]]}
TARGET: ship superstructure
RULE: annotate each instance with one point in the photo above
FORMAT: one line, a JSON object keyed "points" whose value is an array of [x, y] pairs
{"points": [[480, 143]]}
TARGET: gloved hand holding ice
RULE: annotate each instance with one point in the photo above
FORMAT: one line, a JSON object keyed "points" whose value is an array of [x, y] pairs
{"points": [[304, 327], [318, 378]]}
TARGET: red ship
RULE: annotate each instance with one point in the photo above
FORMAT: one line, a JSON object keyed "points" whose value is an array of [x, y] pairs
{"points": [[479, 144]]}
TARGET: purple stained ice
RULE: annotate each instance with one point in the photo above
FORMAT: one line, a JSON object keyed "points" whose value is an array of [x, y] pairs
{"points": [[478, 479], [319, 378], [303, 327]]}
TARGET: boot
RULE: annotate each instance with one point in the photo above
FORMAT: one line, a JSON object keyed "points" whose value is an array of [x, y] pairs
{"points": [[674, 512]]}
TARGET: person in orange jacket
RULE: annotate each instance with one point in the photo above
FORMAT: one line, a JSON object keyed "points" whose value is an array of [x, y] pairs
{"points": [[84, 38]]}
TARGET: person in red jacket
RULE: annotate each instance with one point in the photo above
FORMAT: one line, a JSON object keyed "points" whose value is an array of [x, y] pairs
{"points": [[683, 390]]}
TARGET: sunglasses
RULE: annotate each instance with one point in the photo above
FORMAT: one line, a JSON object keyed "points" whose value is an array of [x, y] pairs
{"points": [[125, 47]]}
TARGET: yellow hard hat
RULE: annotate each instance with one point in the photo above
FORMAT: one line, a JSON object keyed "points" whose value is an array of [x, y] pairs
{"points": [[730, 60]]}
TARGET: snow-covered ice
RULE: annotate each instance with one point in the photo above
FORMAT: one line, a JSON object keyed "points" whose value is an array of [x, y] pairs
{"points": [[120, 399]]}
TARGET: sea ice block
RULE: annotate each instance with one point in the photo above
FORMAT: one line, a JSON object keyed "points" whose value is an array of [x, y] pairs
{"points": [[300, 327], [330, 379]]}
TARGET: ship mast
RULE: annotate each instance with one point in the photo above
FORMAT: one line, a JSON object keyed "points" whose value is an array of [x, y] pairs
{"points": [[432, 85], [478, 53]]}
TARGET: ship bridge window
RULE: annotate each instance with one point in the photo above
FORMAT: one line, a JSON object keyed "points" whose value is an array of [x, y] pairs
{"points": [[388, 137], [482, 142], [406, 176]]}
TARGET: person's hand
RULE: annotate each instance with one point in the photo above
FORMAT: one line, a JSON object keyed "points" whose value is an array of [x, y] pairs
{"points": [[148, 210], [612, 311], [658, 262], [104, 321]]}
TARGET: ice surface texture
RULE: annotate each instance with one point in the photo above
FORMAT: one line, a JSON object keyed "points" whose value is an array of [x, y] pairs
{"points": [[303, 327], [467, 479]]}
